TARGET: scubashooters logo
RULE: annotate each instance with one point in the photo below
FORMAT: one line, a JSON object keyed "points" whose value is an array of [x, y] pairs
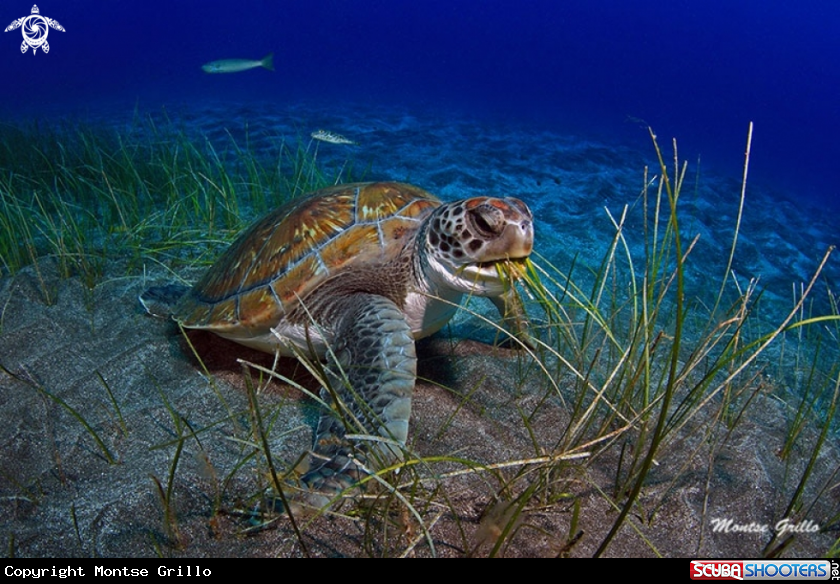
{"points": [[35, 29], [797, 570]]}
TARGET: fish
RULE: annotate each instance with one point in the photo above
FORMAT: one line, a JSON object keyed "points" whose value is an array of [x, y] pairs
{"points": [[237, 65], [325, 136]]}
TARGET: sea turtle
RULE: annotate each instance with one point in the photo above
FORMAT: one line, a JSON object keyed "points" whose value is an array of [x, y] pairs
{"points": [[352, 275], [35, 30]]}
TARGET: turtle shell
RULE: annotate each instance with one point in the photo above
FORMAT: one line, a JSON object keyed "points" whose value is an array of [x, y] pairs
{"points": [[285, 256]]}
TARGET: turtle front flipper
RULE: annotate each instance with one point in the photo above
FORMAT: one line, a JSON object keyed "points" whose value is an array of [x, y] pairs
{"points": [[371, 370], [15, 24], [514, 316]]}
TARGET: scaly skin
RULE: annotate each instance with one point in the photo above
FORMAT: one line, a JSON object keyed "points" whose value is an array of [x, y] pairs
{"points": [[371, 373]]}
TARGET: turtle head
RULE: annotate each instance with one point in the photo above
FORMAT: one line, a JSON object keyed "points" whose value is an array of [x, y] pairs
{"points": [[466, 239]]}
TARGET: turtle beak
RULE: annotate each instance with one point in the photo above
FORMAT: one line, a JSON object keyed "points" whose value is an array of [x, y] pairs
{"points": [[519, 238]]}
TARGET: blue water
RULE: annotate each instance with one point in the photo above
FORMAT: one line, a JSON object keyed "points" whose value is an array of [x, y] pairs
{"points": [[698, 71]]}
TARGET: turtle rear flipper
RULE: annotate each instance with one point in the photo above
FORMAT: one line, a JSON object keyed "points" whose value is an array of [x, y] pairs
{"points": [[159, 300], [370, 389]]}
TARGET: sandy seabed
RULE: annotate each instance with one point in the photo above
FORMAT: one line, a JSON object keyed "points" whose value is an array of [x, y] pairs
{"points": [[60, 496]]}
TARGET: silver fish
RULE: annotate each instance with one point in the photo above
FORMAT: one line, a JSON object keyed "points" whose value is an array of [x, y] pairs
{"points": [[237, 65], [325, 136]]}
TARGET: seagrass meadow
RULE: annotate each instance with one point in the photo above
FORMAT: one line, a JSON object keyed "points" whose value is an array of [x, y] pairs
{"points": [[680, 385]]}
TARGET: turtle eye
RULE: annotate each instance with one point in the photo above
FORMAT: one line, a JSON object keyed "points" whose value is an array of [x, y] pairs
{"points": [[486, 220]]}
